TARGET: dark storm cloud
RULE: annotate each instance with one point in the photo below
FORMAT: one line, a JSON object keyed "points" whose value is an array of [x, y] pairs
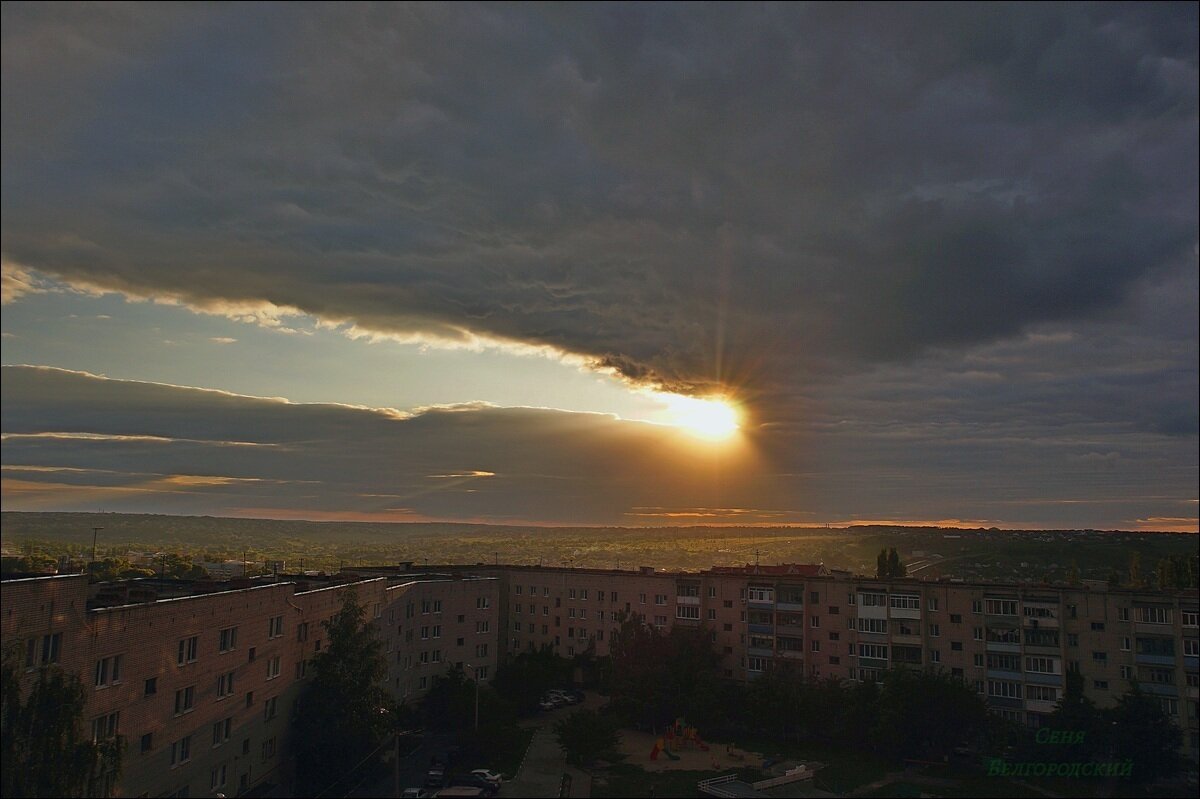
{"points": [[687, 194]]}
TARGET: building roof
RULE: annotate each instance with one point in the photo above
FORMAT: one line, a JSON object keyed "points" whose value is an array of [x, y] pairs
{"points": [[780, 570]]}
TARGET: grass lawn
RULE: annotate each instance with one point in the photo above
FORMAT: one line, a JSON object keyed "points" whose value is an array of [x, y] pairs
{"points": [[623, 780]]}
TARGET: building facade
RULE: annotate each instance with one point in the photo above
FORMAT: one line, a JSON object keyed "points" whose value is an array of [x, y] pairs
{"points": [[201, 685]]}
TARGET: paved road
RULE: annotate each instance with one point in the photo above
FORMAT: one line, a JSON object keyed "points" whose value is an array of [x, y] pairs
{"points": [[543, 768]]}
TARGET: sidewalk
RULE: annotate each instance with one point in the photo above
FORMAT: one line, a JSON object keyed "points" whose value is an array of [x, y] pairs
{"points": [[543, 768]]}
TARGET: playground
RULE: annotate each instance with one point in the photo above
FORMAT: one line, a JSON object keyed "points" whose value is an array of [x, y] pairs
{"points": [[680, 747]]}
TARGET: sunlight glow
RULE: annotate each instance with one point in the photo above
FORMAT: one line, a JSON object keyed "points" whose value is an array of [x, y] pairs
{"points": [[711, 418]]}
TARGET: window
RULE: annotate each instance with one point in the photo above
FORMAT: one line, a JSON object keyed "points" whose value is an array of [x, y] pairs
{"points": [[660, 599], [108, 671], [1000, 607], [228, 640], [250, 653], [268, 748], [977, 606], [1000, 662], [482, 602], [814, 597], [570, 613], [185, 700], [1191, 647], [1122, 614], [873, 625], [978, 660], [1097, 626], [756, 664], [712, 592], [1189, 618], [1004, 689], [105, 726], [481, 673], [217, 779], [877, 651], [956, 646], [872, 600], [1161, 676], [660, 621], [275, 626], [519, 590], [1041, 693], [583, 593], [1100, 657], [426, 607], [814, 621], [270, 708], [761, 594], [905, 601], [1154, 615], [935, 656], [187, 650], [221, 730], [727, 603], [956, 618], [51, 646], [1126, 644], [437, 631], [147, 742], [933, 606], [481, 650], [834, 610], [977, 633], [1072, 639], [225, 685], [687, 612], [1100, 685], [273, 668], [181, 751], [1041, 665], [934, 631], [302, 630], [249, 698], [151, 687], [815, 645]]}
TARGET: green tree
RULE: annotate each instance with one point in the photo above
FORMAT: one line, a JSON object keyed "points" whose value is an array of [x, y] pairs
{"points": [[1143, 733], [347, 712], [1135, 570], [1073, 574], [895, 567], [44, 748], [585, 735], [1114, 579], [524, 679], [926, 714], [1076, 714], [881, 564]]}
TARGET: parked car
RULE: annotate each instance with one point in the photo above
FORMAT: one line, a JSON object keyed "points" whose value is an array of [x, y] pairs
{"points": [[435, 777], [459, 791], [472, 781], [546, 704], [416, 793], [487, 774]]}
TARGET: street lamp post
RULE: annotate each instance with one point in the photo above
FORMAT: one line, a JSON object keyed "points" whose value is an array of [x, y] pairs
{"points": [[472, 667]]}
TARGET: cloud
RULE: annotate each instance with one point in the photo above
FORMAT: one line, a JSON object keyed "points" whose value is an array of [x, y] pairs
{"points": [[680, 197], [75, 440], [223, 340], [16, 282]]}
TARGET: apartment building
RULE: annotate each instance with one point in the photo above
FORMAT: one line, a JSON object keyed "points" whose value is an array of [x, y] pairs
{"points": [[201, 687]]}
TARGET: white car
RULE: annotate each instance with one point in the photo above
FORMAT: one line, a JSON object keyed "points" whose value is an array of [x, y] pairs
{"points": [[490, 776]]}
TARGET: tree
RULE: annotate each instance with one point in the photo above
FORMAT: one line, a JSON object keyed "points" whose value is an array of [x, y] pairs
{"points": [[524, 679], [1135, 570], [1143, 733], [44, 748], [1076, 714], [347, 712], [881, 564], [895, 567], [1073, 574], [926, 714], [586, 734]]}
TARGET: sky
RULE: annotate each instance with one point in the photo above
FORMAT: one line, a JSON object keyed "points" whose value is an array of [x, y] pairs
{"points": [[513, 263]]}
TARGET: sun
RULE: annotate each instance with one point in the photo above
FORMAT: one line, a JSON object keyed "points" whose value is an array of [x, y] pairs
{"points": [[710, 418]]}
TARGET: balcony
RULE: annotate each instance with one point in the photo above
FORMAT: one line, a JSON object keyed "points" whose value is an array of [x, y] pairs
{"points": [[760, 652], [766, 604], [1040, 623], [1004, 701], [1039, 706], [872, 663], [1004, 674], [999, 646], [687, 600], [762, 629], [1042, 649], [1155, 660], [1038, 678], [904, 613], [792, 654], [1159, 689], [794, 607]]}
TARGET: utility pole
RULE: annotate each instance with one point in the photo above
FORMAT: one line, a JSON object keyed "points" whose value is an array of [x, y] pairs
{"points": [[95, 533]]}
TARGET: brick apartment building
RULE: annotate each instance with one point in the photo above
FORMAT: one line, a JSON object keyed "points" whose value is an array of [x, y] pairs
{"points": [[201, 685]]}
